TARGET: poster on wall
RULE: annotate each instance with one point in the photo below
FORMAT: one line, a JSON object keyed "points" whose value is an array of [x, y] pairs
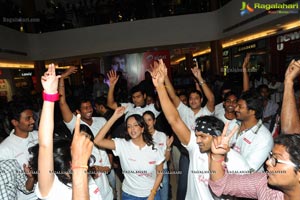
{"points": [[133, 66]]}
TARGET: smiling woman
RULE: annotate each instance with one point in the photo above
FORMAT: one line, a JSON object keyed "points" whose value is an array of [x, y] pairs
{"points": [[141, 160]]}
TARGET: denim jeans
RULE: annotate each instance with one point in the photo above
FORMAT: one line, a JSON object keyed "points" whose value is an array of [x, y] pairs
{"points": [[126, 196], [184, 163], [164, 190]]}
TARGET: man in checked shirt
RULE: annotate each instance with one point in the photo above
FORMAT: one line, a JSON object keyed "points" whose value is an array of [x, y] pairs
{"points": [[12, 179]]}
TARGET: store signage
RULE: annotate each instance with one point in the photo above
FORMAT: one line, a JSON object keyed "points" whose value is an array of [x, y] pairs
{"points": [[26, 74], [286, 38], [247, 47]]}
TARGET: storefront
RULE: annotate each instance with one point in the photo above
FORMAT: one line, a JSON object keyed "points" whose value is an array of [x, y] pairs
{"points": [[284, 48]]}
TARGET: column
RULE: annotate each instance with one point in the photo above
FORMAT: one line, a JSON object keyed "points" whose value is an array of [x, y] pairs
{"points": [[216, 57]]}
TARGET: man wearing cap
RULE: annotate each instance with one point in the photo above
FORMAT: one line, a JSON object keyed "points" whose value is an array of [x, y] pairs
{"points": [[197, 142]]}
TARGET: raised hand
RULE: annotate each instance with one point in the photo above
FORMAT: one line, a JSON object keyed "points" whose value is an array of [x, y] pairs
{"points": [[50, 80], [293, 70], [220, 144], [112, 77], [69, 71], [81, 147], [246, 61], [158, 73], [119, 111], [197, 72]]}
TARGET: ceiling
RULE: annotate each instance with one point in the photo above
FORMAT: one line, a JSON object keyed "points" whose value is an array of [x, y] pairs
{"points": [[53, 15]]}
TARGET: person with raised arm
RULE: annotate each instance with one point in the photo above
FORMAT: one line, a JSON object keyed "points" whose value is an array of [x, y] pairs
{"points": [[226, 88], [52, 158], [81, 150], [197, 142], [189, 113], [290, 120], [101, 166], [138, 96], [141, 160], [280, 183]]}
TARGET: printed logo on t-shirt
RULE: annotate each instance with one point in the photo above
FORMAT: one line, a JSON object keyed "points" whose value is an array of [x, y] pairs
{"points": [[152, 162], [160, 144], [132, 159], [202, 179], [237, 148], [96, 191], [247, 141]]}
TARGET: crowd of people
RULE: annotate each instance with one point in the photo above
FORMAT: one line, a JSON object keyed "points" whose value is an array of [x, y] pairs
{"points": [[99, 147]]}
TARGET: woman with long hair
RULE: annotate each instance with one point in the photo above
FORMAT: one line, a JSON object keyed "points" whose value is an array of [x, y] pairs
{"points": [[141, 160], [164, 143]]}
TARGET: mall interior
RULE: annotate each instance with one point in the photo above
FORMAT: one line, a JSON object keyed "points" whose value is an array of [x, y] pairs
{"points": [[87, 34], [91, 34]]}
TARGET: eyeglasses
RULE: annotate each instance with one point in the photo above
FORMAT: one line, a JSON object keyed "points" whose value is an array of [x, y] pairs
{"points": [[274, 161]]}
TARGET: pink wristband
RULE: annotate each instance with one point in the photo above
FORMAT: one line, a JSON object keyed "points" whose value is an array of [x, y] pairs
{"points": [[50, 97]]}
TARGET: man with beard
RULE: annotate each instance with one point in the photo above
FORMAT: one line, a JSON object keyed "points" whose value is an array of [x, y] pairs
{"points": [[22, 137], [253, 140]]}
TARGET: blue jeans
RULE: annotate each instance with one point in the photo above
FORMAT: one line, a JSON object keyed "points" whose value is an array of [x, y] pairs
{"points": [[126, 196], [164, 191], [184, 164]]}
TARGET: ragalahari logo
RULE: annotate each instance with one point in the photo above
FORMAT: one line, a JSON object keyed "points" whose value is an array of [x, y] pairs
{"points": [[246, 8]]}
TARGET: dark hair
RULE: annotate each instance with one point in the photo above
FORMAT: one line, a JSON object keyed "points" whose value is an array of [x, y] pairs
{"points": [[254, 102], [226, 86], [87, 130], [197, 92], [216, 125], [16, 108], [262, 86], [101, 101], [228, 94], [291, 143], [148, 112], [61, 157], [135, 89], [81, 101], [147, 137]]}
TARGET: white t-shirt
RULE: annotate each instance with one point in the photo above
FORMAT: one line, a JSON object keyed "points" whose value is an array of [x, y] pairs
{"points": [[101, 159], [188, 116], [219, 110], [270, 110], [277, 95], [98, 123], [102, 182], [232, 122], [138, 165], [160, 139], [132, 109], [60, 191], [254, 145], [14, 147], [198, 174]]}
